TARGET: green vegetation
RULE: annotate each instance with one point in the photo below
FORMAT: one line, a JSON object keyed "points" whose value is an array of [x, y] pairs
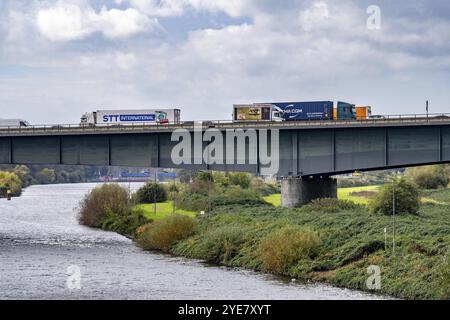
{"points": [[10, 181], [151, 192], [282, 248], [331, 205], [350, 241], [35, 174], [205, 193], [163, 209], [108, 207], [273, 199], [162, 234], [359, 195], [328, 240], [429, 177], [405, 194]]}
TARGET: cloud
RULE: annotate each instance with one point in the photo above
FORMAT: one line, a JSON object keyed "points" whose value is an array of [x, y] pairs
{"points": [[170, 8], [66, 21], [279, 51], [117, 60]]}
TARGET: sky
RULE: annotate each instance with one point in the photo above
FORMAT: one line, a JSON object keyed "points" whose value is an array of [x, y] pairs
{"points": [[61, 58]]}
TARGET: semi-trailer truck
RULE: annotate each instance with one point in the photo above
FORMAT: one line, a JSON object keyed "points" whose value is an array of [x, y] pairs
{"points": [[307, 110], [298, 111], [130, 117], [257, 112], [14, 123]]}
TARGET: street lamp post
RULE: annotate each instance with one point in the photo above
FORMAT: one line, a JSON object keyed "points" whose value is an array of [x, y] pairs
{"points": [[154, 191], [393, 217]]}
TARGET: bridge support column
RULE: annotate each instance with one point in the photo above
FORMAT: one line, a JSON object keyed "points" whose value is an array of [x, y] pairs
{"points": [[296, 191]]}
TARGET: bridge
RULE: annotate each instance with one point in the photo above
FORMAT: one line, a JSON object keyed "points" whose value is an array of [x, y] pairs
{"points": [[307, 154]]}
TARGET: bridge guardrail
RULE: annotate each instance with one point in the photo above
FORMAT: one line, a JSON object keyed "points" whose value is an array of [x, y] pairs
{"points": [[385, 119]]}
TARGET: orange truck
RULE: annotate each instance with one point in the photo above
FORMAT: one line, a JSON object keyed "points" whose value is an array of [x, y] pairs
{"points": [[363, 112]]}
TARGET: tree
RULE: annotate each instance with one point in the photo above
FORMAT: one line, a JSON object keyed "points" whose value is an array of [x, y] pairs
{"points": [[45, 176], [407, 200], [150, 192], [186, 176], [24, 174], [429, 177], [241, 179]]}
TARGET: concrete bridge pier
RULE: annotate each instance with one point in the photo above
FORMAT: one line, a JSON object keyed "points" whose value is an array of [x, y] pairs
{"points": [[297, 191]]}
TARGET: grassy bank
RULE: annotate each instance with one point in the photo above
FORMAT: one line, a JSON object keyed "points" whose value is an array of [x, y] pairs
{"points": [[350, 241], [163, 209], [327, 241]]}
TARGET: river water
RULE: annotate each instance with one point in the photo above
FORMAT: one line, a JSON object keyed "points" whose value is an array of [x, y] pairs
{"points": [[46, 254]]}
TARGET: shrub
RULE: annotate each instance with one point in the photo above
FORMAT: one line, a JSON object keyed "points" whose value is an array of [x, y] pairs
{"points": [[236, 195], [263, 188], [192, 201], [241, 179], [150, 192], [10, 181], [199, 201], [205, 176], [429, 177], [126, 223], [102, 202], [331, 205], [162, 234], [45, 176], [445, 275], [280, 249], [221, 244], [407, 200]]}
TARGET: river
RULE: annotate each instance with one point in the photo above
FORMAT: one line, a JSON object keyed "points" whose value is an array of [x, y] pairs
{"points": [[42, 249]]}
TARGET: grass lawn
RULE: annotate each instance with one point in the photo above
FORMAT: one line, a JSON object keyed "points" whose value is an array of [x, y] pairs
{"points": [[343, 193], [346, 193], [274, 199], [163, 209]]}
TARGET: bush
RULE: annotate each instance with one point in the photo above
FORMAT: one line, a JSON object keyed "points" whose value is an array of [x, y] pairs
{"points": [[407, 200], [429, 177], [220, 245], [199, 201], [331, 205], [9, 181], [126, 223], [150, 192], [192, 201], [445, 275], [241, 179], [236, 195], [45, 176], [102, 202], [280, 249], [162, 234], [263, 188]]}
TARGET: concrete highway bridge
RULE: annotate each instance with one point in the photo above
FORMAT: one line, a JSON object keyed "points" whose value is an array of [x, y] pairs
{"points": [[304, 154]]}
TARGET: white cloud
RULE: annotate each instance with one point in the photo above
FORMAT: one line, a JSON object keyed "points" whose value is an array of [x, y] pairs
{"points": [[168, 8], [124, 61], [317, 50], [66, 21]]}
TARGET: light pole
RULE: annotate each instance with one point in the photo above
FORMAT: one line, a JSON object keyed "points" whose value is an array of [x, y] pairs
{"points": [[393, 217], [154, 191], [426, 108]]}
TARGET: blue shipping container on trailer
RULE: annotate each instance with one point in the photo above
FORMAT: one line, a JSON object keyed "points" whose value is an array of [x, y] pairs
{"points": [[308, 110]]}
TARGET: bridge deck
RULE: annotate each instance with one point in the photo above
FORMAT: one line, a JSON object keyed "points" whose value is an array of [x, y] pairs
{"points": [[76, 129]]}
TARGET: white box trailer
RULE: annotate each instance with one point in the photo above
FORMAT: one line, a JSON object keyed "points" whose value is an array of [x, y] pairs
{"points": [[14, 123], [130, 117]]}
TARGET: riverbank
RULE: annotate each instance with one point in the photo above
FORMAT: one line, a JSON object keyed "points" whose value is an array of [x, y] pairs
{"points": [[41, 238], [348, 242]]}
